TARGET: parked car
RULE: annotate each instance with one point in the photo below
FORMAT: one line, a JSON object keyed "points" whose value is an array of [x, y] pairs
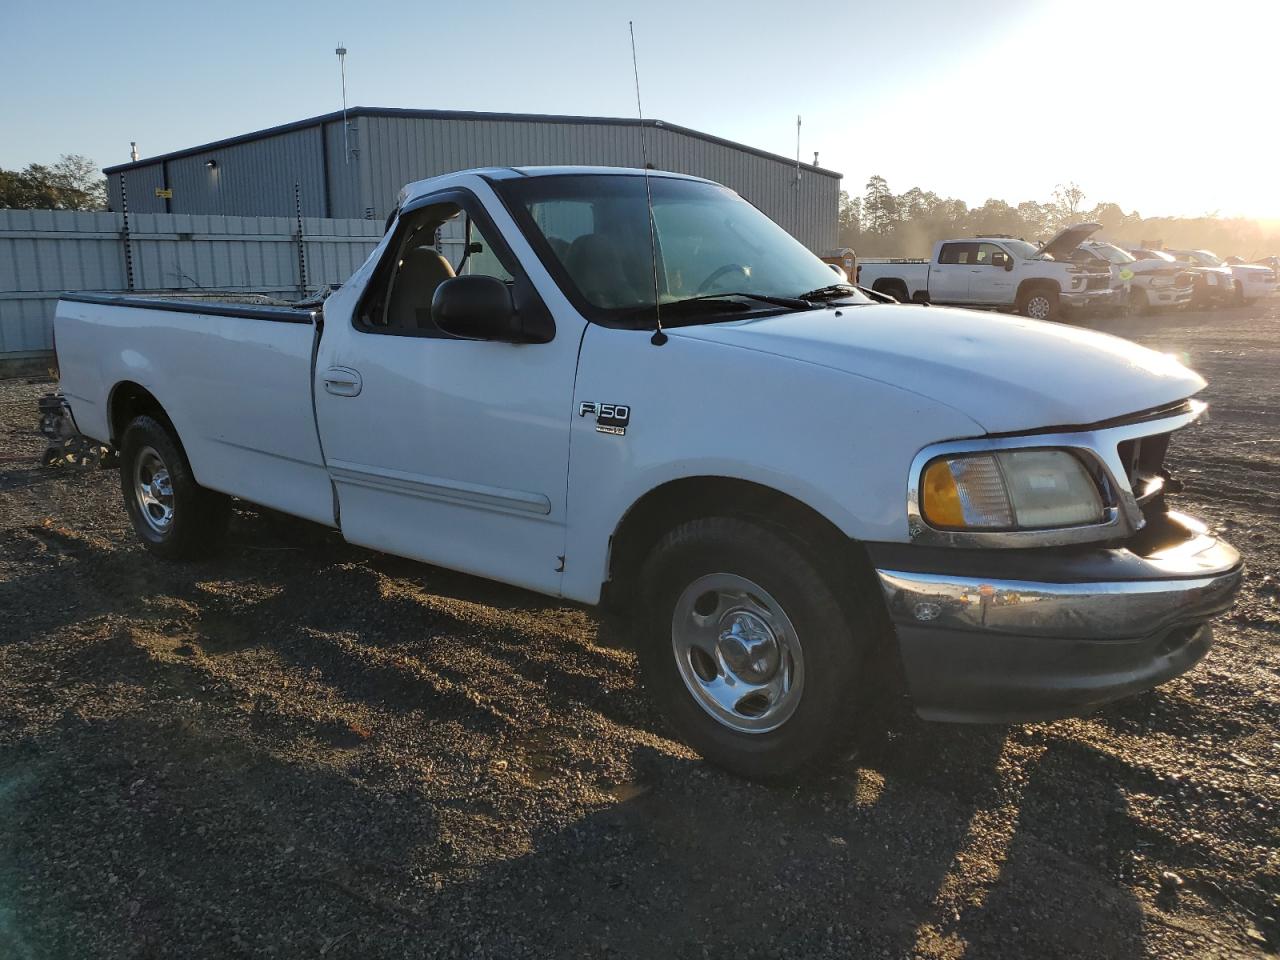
{"points": [[1213, 284], [1147, 284], [1001, 273], [789, 487], [1251, 280]]}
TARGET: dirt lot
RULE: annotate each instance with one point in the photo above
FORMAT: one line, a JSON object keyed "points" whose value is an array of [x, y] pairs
{"points": [[304, 749]]}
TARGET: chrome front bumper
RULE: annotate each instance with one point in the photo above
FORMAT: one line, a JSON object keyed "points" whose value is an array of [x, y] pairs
{"points": [[1092, 299], [1109, 623]]}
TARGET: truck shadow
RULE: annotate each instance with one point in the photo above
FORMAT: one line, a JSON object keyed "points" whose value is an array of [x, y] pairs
{"points": [[939, 850], [934, 840], [145, 837]]}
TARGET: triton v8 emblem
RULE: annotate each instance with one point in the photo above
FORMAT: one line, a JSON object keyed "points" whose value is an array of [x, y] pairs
{"points": [[610, 417]]}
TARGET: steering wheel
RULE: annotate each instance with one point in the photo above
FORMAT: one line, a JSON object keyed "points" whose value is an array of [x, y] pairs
{"points": [[721, 271]]}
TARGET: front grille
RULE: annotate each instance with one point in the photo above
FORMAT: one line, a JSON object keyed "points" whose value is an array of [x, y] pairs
{"points": [[1097, 283], [1143, 459]]}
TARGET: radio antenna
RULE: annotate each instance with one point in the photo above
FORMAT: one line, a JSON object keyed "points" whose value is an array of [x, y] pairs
{"points": [[659, 337]]}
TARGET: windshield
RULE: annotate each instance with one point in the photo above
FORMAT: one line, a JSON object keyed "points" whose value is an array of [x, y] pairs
{"points": [[1021, 248], [1110, 252], [592, 231], [1207, 258]]}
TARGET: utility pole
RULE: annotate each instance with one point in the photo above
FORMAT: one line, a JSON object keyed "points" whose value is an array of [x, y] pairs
{"points": [[797, 149]]}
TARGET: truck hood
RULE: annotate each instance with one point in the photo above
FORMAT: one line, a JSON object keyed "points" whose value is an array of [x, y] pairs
{"points": [[1067, 239], [1007, 373]]}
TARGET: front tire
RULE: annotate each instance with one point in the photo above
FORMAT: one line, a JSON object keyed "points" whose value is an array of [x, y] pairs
{"points": [[1039, 303], [747, 649], [1138, 302], [174, 516]]}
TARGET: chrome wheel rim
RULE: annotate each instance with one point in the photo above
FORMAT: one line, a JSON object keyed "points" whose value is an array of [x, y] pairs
{"points": [[737, 652], [1038, 308], [153, 490]]}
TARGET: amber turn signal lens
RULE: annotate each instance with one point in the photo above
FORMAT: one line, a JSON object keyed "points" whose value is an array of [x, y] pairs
{"points": [[942, 504]]}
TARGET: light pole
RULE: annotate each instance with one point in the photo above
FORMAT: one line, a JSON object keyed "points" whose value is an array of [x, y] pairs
{"points": [[342, 68]]}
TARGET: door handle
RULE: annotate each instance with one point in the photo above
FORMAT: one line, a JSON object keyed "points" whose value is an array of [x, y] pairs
{"points": [[343, 382]]}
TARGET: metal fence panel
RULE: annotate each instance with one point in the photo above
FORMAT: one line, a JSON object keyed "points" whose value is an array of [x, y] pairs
{"points": [[44, 253]]}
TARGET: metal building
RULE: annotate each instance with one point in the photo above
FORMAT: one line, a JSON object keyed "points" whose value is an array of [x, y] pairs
{"points": [[329, 171]]}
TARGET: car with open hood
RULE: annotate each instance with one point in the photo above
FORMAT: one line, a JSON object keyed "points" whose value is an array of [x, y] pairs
{"points": [[632, 388], [1211, 285], [1000, 273], [1147, 284], [1249, 281]]}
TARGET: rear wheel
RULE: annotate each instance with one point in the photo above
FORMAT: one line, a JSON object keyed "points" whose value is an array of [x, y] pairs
{"points": [[174, 516], [1039, 303], [747, 649], [893, 288]]}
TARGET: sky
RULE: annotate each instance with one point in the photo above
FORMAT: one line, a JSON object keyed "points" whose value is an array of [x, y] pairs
{"points": [[1169, 108]]}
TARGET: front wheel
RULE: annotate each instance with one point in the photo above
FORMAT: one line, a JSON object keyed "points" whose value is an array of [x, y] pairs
{"points": [[174, 516], [1138, 302], [747, 649], [1039, 303]]}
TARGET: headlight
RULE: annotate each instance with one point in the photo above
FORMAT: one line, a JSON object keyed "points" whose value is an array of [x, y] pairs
{"points": [[1010, 489], [1162, 281]]}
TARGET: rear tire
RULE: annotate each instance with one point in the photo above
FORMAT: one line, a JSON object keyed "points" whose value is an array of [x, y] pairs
{"points": [[730, 608], [174, 516], [1039, 303], [892, 288]]}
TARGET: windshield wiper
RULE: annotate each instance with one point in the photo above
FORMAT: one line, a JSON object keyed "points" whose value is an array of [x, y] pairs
{"points": [[829, 292], [795, 303]]}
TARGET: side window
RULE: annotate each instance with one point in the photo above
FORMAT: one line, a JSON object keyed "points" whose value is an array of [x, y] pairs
{"points": [[987, 254], [434, 244], [480, 259], [958, 253]]}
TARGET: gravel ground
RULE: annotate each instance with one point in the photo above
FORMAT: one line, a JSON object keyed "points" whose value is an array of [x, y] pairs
{"points": [[304, 749]]}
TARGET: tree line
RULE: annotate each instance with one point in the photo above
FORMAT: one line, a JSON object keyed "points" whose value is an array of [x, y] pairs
{"points": [[881, 223], [73, 183]]}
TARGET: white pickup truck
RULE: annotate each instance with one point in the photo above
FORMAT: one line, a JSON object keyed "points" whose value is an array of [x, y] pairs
{"points": [[799, 494], [999, 273]]}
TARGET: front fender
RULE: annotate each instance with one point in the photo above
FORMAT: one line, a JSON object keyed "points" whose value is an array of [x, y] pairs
{"points": [[839, 443]]}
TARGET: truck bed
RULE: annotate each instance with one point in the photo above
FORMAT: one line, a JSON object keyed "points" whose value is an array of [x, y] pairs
{"points": [[212, 303], [232, 372]]}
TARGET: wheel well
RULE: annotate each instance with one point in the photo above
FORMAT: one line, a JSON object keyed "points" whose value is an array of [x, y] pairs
{"points": [[892, 286], [663, 508], [129, 400], [1026, 288]]}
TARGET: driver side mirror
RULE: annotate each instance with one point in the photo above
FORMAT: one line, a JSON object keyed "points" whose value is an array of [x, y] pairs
{"points": [[477, 308], [1001, 260]]}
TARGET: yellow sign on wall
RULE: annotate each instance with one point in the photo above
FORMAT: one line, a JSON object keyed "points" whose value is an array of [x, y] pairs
{"points": [[164, 193]]}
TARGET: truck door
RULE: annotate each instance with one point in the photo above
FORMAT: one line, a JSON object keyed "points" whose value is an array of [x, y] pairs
{"points": [[989, 281], [447, 450], [949, 277]]}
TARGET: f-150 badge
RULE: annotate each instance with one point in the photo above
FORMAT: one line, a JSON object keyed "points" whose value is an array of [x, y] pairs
{"points": [[610, 417]]}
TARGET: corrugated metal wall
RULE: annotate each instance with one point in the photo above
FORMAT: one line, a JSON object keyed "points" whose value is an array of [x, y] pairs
{"points": [[397, 150], [46, 252], [256, 176]]}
